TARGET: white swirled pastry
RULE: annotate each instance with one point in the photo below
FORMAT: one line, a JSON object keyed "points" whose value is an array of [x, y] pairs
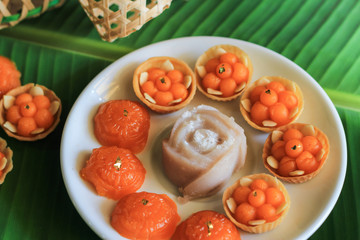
{"points": [[204, 148]]}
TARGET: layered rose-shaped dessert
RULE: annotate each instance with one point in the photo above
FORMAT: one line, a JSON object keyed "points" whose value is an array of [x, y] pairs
{"points": [[204, 148]]}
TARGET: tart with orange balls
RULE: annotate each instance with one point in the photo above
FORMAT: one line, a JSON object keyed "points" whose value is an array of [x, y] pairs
{"points": [[223, 72], [164, 84], [6, 163], [29, 112], [296, 153], [271, 102], [256, 203]]}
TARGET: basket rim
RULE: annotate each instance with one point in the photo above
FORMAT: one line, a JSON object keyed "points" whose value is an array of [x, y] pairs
{"points": [[31, 13]]}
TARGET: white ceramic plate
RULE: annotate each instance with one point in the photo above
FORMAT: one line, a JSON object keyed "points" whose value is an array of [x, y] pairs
{"points": [[311, 202]]}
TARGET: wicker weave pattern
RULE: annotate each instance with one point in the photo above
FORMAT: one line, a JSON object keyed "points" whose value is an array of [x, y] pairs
{"points": [[12, 8], [119, 18]]}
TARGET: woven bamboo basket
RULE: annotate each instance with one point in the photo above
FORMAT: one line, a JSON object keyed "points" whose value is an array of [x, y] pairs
{"points": [[119, 18], [14, 11]]}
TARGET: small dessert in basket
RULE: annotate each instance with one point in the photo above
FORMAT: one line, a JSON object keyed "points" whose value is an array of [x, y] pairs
{"points": [[223, 72], [296, 153], [271, 102], [164, 84], [29, 112]]}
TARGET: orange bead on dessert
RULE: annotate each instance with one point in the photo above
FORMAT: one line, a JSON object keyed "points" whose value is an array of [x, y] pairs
{"points": [[271, 102], [29, 112], [6, 163], [223, 72], [305, 149], [9, 75], [164, 84], [145, 216], [206, 224], [256, 203], [115, 172], [122, 123]]}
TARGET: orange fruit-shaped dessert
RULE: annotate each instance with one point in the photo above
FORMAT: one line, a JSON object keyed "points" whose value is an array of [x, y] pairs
{"points": [[122, 123], [115, 172], [145, 216], [271, 102], [206, 224], [256, 203], [6, 163], [29, 112], [164, 84], [223, 72], [296, 153], [9, 75]]}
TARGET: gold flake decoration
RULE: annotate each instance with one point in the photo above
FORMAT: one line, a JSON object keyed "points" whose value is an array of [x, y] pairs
{"points": [[117, 163]]}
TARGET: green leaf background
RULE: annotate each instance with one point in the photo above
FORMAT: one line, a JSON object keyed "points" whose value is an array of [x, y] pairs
{"points": [[62, 50]]}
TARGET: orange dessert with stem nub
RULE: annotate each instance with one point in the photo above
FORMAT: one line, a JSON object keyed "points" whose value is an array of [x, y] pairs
{"points": [[29, 112], [223, 72], [206, 224], [114, 172], [145, 216], [164, 84], [122, 123], [271, 102], [296, 153], [256, 203]]}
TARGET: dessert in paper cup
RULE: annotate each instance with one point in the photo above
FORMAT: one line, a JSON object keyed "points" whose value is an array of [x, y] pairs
{"points": [[29, 112], [256, 203], [271, 102], [164, 84], [6, 163], [223, 72], [296, 153]]}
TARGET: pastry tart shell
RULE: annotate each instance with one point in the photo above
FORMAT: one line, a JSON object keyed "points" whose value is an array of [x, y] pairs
{"points": [[289, 85], [246, 181], [157, 62], [214, 52], [303, 178], [7, 165], [25, 89]]}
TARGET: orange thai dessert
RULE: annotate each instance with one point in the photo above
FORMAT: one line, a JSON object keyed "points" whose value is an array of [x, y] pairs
{"points": [[271, 102], [256, 203], [223, 72], [296, 153], [206, 224], [164, 84], [145, 216], [9, 75], [29, 112], [122, 123], [6, 163], [114, 172]]}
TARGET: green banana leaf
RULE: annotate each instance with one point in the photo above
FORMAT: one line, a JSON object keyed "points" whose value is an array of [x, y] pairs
{"points": [[62, 50]]}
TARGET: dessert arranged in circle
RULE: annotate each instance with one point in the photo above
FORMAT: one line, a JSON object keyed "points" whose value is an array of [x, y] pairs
{"points": [[206, 224], [115, 172], [256, 203], [122, 123], [29, 112], [223, 72], [164, 84], [6, 162], [145, 215], [296, 153], [205, 147], [271, 102]]}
